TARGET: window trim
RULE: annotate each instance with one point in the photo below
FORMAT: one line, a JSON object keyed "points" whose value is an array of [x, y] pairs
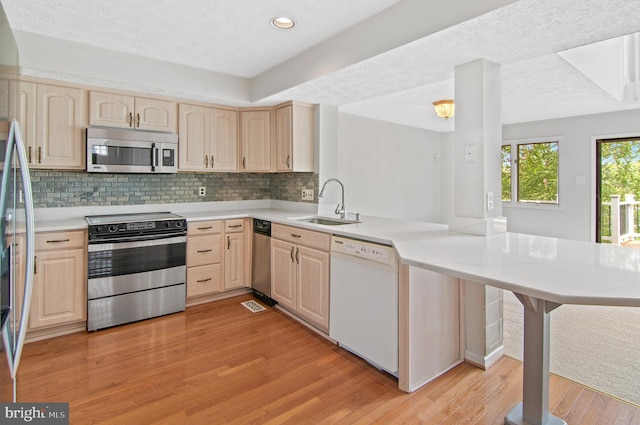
{"points": [[514, 203]]}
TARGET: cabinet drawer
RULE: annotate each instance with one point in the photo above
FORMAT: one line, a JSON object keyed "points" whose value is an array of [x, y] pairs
{"points": [[310, 238], [204, 280], [60, 240], [204, 227], [233, 226], [203, 250]]}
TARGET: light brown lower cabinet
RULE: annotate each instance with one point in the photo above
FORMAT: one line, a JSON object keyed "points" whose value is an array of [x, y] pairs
{"points": [[59, 280], [300, 274], [236, 255], [217, 256], [204, 258]]}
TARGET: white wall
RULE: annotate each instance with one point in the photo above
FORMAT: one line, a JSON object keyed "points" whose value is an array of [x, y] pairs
{"points": [[389, 170], [69, 61], [574, 219]]}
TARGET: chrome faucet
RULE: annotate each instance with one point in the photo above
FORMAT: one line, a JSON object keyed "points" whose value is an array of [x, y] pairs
{"points": [[339, 208]]}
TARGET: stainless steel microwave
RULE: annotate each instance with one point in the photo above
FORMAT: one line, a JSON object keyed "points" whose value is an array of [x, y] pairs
{"points": [[114, 150]]}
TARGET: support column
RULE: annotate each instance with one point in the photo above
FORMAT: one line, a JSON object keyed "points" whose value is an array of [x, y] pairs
{"points": [[478, 140], [478, 195], [534, 409]]}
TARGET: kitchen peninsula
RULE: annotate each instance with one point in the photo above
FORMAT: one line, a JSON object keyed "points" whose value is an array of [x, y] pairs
{"points": [[543, 272]]}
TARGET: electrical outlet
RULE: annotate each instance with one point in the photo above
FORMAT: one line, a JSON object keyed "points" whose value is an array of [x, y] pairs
{"points": [[307, 194], [202, 191], [489, 201]]}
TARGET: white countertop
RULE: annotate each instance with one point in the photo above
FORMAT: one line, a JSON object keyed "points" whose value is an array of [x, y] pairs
{"points": [[557, 270]]}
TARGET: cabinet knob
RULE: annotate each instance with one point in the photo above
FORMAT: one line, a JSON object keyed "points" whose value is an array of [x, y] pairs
{"points": [[202, 251], [130, 119], [244, 163], [228, 242], [39, 155], [58, 240], [206, 161], [138, 120], [297, 255], [292, 249], [287, 162], [204, 280]]}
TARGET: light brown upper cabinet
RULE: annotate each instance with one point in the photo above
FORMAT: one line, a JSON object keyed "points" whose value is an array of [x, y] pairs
{"points": [[255, 136], [52, 119], [118, 110], [4, 98], [208, 138], [294, 137]]}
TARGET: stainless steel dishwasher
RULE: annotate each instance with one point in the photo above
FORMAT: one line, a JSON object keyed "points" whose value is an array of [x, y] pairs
{"points": [[261, 261]]}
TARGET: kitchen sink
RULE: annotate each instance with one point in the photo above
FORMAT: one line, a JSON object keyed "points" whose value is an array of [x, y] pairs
{"points": [[325, 221]]}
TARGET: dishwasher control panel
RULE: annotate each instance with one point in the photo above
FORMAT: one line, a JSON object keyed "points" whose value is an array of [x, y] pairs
{"points": [[371, 251]]}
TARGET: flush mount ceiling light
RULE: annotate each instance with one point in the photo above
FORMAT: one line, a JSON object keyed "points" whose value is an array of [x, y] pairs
{"points": [[444, 108], [282, 23]]}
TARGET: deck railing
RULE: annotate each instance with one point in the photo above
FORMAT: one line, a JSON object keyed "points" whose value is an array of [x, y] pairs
{"points": [[621, 219]]}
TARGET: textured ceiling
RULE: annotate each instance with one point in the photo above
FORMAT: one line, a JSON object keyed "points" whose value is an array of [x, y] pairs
{"points": [[399, 85], [231, 37]]}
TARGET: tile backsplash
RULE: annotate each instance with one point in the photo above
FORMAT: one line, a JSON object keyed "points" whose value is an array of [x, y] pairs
{"points": [[53, 189]]}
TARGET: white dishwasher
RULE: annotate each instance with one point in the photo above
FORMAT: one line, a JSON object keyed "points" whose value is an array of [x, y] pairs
{"points": [[363, 309]]}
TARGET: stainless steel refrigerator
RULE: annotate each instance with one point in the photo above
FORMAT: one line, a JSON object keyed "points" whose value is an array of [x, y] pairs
{"points": [[17, 257], [16, 222]]}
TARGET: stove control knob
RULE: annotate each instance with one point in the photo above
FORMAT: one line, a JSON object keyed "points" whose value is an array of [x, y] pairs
{"points": [[179, 223], [113, 228]]}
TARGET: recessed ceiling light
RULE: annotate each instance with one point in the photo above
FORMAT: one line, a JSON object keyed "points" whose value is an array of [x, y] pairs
{"points": [[282, 23]]}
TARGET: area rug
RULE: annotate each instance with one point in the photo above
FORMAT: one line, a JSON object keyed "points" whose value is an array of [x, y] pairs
{"points": [[594, 345]]}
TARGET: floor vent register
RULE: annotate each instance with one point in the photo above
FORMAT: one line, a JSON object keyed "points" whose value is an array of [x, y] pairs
{"points": [[252, 306]]}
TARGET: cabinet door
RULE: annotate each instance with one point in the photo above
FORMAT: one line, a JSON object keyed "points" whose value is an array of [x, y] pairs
{"points": [[155, 114], [25, 92], [224, 140], [59, 289], [256, 141], [110, 110], [18, 268], [59, 132], [283, 273], [193, 146], [234, 261], [4, 99], [284, 148], [313, 286]]}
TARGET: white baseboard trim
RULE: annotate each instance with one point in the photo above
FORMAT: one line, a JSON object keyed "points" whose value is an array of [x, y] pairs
{"points": [[484, 362]]}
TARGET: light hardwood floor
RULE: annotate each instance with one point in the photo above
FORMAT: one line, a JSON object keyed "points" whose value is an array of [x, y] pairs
{"points": [[219, 363]]}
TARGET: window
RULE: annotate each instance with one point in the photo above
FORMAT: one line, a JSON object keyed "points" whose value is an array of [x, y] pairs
{"points": [[532, 177], [506, 173]]}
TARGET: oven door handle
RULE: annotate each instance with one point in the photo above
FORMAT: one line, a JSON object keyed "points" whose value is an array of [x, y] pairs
{"points": [[135, 242]]}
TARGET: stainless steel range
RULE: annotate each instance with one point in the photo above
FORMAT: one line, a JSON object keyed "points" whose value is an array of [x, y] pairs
{"points": [[136, 267]]}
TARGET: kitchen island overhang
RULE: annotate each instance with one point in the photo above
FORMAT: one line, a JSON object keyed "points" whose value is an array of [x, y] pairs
{"points": [[543, 273]]}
